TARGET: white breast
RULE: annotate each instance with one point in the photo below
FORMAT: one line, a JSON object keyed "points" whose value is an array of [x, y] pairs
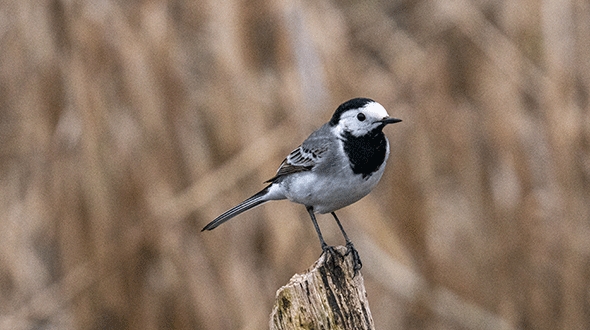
{"points": [[331, 189]]}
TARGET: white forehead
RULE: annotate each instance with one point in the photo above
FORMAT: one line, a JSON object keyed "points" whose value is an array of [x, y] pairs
{"points": [[375, 109]]}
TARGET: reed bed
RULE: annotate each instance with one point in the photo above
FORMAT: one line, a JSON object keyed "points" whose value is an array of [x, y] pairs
{"points": [[125, 127]]}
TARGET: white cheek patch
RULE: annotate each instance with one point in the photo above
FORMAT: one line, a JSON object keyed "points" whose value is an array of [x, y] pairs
{"points": [[376, 110], [350, 123]]}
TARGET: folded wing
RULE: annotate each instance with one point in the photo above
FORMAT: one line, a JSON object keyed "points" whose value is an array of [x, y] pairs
{"points": [[303, 158]]}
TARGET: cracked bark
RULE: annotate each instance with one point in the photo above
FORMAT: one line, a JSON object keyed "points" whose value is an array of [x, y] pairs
{"points": [[328, 296]]}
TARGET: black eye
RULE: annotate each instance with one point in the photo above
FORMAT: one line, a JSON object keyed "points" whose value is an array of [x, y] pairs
{"points": [[361, 116]]}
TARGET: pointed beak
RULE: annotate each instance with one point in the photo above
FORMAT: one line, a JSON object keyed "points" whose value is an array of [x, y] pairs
{"points": [[389, 120]]}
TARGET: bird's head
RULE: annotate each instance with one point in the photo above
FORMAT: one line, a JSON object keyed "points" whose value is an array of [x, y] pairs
{"points": [[360, 116]]}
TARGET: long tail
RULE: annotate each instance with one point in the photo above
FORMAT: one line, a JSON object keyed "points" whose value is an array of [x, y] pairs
{"points": [[257, 199]]}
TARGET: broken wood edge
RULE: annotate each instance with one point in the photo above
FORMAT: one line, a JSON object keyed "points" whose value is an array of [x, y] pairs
{"points": [[328, 296]]}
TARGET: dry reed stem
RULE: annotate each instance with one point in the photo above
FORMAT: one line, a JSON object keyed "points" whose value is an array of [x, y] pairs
{"points": [[125, 127]]}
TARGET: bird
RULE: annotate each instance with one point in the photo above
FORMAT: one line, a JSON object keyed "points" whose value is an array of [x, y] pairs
{"points": [[337, 165]]}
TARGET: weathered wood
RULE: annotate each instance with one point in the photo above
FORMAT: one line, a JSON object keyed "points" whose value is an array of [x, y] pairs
{"points": [[328, 296]]}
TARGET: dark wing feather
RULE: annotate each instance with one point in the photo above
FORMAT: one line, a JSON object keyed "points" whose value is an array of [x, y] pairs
{"points": [[303, 158]]}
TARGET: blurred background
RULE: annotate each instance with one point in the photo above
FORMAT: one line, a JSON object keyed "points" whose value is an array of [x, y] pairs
{"points": [[126, 126]]}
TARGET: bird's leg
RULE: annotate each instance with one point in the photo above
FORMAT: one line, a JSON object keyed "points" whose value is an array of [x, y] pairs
{"points": [[317, 228], [355, 255], [325, 247]]}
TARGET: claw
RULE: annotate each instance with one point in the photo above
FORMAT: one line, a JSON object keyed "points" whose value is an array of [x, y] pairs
{"points": [[330, 254], [356, 259]]}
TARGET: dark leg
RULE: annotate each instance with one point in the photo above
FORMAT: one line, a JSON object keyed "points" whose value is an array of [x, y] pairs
{"points": [[355, 255], [317, 228], [325, 247]]}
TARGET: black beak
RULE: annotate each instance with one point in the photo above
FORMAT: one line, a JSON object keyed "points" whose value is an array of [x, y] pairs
{"points": [[390, 120]]}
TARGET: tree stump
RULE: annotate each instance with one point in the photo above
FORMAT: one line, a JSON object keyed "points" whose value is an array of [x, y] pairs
{"points": [[328, 296]]}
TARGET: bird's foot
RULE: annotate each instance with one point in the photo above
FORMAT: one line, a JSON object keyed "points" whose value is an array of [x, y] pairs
{"points": [[356, 259], [331, 254]]}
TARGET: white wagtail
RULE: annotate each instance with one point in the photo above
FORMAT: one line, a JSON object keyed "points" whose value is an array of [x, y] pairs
{"points": [[336, 165]]}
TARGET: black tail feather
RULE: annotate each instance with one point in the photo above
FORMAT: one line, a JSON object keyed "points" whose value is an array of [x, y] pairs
{"points": [[244, 206]]}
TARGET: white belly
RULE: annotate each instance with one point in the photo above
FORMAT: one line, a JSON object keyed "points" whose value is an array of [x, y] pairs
{"points": [[328, 193]]}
